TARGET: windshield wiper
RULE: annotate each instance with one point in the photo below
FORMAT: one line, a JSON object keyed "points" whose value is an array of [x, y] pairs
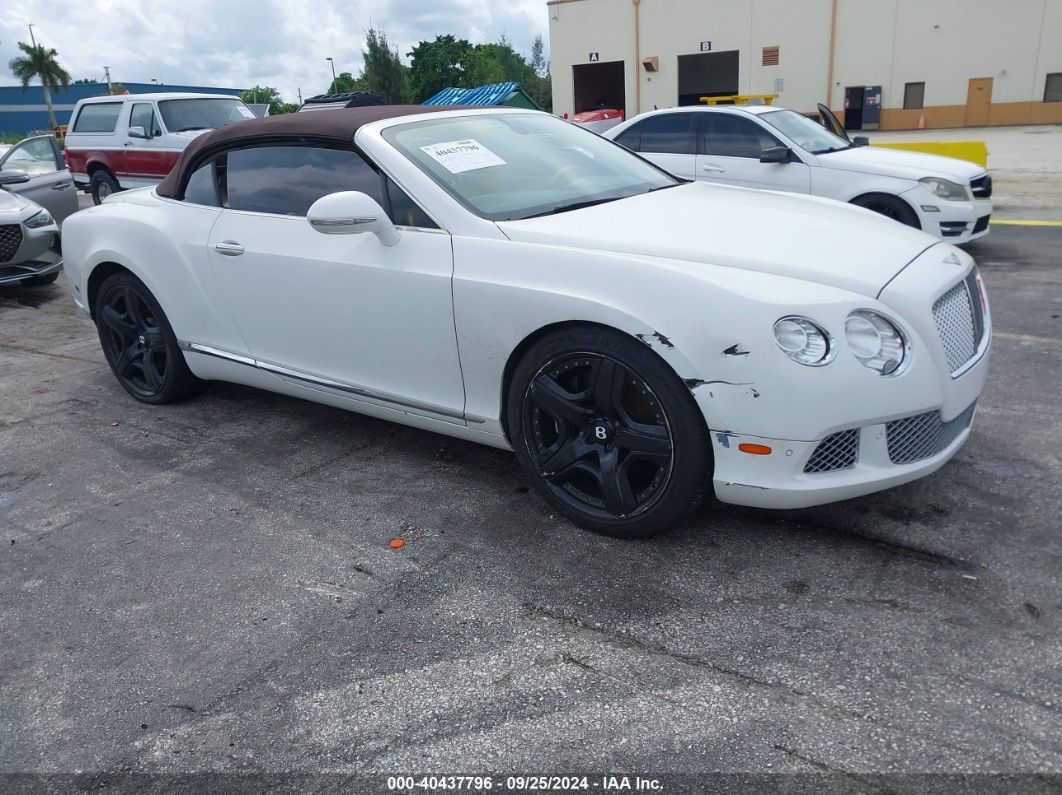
{"points": [[833, 149], [189, 129], [673, 185], [563, 208]]}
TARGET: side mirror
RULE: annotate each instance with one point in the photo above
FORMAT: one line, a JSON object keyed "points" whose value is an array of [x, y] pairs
{"points": [[138, 132], [351, 212], [776, 154], [13, 176], [861, 140]]}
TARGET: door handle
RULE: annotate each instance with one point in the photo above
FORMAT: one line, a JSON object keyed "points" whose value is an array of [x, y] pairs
{"points": [[128, 143], [60, 185], [229, 248], [713, 169]]}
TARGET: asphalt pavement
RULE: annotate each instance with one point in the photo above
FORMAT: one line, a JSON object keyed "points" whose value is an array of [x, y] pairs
{"points": [[209, 588]]}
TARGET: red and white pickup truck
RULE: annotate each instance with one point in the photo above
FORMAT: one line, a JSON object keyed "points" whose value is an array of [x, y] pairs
{"points": [[130, 141]]}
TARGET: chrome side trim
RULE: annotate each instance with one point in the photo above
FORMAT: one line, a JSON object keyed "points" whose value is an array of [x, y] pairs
{"points": [[352, 389], [195, 347]]}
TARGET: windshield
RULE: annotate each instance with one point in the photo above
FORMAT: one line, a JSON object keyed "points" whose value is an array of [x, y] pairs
{"points": [[512, 166], [807, 134], [201, 114]]}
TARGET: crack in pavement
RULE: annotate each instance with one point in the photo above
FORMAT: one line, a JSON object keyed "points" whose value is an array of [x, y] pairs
{"points": [[793, 753]]}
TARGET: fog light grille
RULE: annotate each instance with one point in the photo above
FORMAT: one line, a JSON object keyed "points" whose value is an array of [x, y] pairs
{"points": [[924, 435], [837, 451]]}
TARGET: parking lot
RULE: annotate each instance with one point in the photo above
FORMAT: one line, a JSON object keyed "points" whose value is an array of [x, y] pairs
{"points": [[210, 587]]}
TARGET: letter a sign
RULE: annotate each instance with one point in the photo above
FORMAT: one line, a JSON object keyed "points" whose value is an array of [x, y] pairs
{"points": [[595, 57]]}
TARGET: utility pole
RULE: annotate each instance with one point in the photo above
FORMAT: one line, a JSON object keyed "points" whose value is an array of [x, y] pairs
{"points": [[31, 35], [329, 59], [299, 89], [107, 75]]}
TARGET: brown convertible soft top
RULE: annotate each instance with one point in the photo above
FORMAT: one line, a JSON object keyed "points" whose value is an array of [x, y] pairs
{"points": [[326, 126]]}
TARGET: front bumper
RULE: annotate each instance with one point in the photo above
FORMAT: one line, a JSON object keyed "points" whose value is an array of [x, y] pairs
{"points": [[955, 222], [781, 479], [14, 274]]}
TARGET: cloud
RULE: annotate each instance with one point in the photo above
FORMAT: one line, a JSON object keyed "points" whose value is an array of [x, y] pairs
{"points": [[240, 43]]}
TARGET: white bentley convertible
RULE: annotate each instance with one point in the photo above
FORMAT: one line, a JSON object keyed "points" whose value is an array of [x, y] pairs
{"points": [[505, 277]]}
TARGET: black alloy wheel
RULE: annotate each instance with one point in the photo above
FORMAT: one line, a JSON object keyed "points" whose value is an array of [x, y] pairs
{"points": [[139, 344], [602, 432]]}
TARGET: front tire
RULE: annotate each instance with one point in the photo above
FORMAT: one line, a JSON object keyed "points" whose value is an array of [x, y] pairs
{"points": [[139, 343], [889, 206], [607, 432], [102, 184]]}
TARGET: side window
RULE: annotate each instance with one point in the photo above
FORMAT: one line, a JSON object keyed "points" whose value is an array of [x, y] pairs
{"points": [[667, 133], [404, 211], [34, 156], [732, 136], [143, 115], [631, 138], [286, 180], [203, 186], [97, 117]]}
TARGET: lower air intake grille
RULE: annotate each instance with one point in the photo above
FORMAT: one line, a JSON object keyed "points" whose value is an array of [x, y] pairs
{"points": [[10, 240], [837, 451], [924, 435]]}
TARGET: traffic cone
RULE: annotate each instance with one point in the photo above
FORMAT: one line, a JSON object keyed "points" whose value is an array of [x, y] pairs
{"points": [[922, 122]]}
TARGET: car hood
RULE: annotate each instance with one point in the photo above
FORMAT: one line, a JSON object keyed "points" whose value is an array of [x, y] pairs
{"points": [[12, 203], [900, 163], [818, 240]]}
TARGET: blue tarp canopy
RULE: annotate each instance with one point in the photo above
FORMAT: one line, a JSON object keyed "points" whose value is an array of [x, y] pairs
{"points": [[492, 94]]}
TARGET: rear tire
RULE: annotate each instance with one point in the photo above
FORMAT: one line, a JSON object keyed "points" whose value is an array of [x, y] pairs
{"points": [[102, 184], [889, 206], [607, 432], [139, 343]]}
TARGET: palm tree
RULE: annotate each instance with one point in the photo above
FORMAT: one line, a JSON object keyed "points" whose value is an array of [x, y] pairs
{"points": [[40, 62]]}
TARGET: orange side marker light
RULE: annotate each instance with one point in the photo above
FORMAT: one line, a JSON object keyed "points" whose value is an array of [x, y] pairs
{"points": [[754, 449]]}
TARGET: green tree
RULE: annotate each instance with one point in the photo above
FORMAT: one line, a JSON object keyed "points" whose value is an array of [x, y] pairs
{"points": [[85, 81], [116, 89], [436, 65], [538, 58], [40, 62], [264, 95], [345, 82], [383, 73]]}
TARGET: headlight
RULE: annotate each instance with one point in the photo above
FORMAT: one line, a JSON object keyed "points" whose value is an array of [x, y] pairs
{"points": [[945, 189], [40, 219], [875, 341], [804, 341]]}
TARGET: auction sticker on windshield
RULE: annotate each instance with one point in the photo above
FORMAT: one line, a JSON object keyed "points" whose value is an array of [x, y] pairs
{"points": [[460, 156]]}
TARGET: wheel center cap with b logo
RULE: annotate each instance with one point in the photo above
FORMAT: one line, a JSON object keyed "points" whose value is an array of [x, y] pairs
{"points": [[600, 432]]}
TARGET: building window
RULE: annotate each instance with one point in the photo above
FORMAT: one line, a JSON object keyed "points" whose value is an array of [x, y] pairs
{"points": [[1053, 88], [770, 56], [914, 95]]}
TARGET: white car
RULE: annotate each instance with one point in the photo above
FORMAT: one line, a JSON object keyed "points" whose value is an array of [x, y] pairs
{"points": [[502, 276], [772, 148]]}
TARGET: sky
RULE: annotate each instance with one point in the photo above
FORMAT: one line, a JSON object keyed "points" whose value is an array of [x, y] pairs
{"points": [[241, 43]]}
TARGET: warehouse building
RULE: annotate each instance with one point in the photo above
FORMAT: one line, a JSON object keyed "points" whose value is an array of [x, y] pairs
{"points": [[878, 64], [22, 112]]}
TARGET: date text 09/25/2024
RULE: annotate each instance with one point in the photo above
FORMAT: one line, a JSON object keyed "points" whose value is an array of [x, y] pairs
{"points": [[534, 783]]}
